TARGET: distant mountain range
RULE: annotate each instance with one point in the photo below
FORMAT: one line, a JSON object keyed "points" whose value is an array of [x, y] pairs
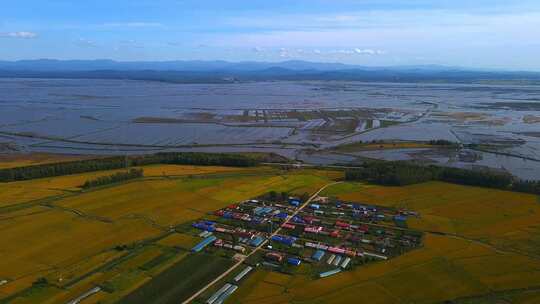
{"points": [[224, 71], [51, 65]]}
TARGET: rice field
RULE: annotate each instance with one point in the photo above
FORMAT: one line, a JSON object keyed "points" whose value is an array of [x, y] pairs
{"points": [[119, 236], [182, 134], [25, 191], [507, 220], [178, 170], [481, 246], [21, 160], [444, 269], [180, 240]]}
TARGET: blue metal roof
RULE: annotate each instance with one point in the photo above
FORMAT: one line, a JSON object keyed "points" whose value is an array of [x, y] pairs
{"points": [[400, 218], [318, 255], [257, 241], [204, 243], [294, 261]]}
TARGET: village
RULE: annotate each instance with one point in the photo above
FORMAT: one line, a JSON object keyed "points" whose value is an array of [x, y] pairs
{"points": [[322, 235]]}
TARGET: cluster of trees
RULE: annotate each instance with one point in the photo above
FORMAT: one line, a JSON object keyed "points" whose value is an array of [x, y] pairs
{"points": [[482, 178], [527, 186], [196, 158], [433, 142], [114, 178], [274, 196], [404, 173], [117, 162], [442, 142], [58, 169], [391, 173]]}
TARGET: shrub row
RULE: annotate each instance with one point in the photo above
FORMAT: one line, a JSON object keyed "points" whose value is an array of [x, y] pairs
{"points": [[114, 178]]}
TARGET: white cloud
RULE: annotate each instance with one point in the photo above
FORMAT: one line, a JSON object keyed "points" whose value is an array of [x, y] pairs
{"points": [[403, 32], [364, 51], [284, 53], [369, 52], [343, 52], [83, 42], [20, 35], [327, 52]]}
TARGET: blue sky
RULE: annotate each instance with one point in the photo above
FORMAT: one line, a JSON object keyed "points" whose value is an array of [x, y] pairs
{"points": [[476, 33]]}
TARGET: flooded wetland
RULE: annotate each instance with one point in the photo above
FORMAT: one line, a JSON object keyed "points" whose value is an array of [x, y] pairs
{"points": [[495, 126]]}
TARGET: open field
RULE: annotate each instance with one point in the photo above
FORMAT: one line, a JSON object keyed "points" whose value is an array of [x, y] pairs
{"points": [[481, 246], [20, 160], [178, 170], [444, 269], [507, 220], [179, 281], [118, 236], [25, 191], [172, 201]]}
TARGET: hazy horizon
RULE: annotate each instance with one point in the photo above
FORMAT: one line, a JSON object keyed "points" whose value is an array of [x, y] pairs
{"points": [[484, 34]]}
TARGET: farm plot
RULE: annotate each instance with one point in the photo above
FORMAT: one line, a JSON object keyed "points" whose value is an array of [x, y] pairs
{"points": [[65, 238], [56, 127], [117, 237], [168, 202], [507, 220], [263, 286], [480, 246], [448, 266], [24, 191], [19, 192], [174, 284], [186, 134], [20, 160], [178, 170], [429, 275]]}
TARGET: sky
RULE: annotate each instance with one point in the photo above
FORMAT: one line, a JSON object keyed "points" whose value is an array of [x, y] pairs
{"points": [[493, 34]]}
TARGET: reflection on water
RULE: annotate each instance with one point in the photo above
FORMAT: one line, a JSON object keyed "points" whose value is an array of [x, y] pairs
{"points": [[100, 116]]}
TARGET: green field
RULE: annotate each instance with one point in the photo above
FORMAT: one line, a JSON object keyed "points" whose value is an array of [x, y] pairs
{"points": [[179, 281]]}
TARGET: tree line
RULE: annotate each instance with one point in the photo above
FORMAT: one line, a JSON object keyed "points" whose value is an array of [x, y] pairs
{"points": [[114, 178], [117, 162], [196, 158], [442, 142], [401, 173], [58, 169], [274, 196], [527, 186]]}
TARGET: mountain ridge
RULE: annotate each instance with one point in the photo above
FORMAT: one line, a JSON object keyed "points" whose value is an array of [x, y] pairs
{"points": [[199, 65], [225, 72]]}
